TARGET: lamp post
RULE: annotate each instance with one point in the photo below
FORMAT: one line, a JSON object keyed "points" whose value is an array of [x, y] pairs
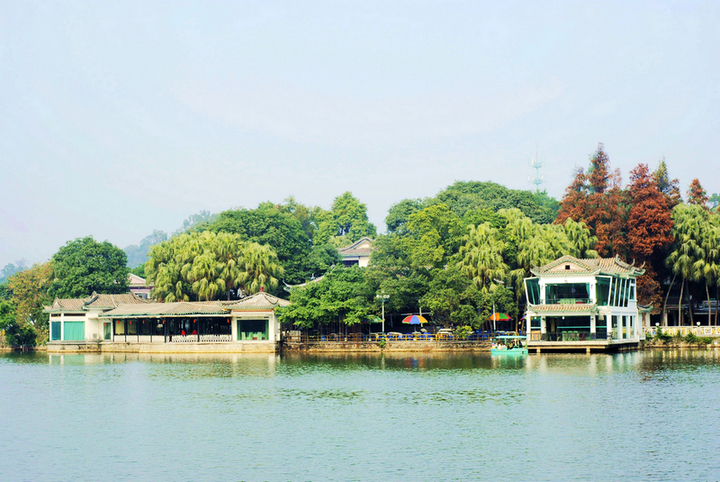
{"points": [[383, 298]]}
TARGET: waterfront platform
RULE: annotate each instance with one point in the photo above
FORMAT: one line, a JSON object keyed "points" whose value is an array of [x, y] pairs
{"points": [[586, 346], [259, 346]]}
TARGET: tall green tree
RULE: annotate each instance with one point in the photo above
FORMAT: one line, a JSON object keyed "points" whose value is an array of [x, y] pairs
{"points": [[85, 265], [28, 291]]}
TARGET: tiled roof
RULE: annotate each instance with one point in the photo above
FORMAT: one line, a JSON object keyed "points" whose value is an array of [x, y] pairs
{"points": [[113, 301], [180, 308], [361, 247], [572, 265], [260, 300], [68, 304], [94, 301]]}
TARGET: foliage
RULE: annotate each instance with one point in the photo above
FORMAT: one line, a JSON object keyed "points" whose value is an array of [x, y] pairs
{"points": [[463, 332], [84, 265], [139, 270], [345, 223], [207, 265], [29, 293], [696, 194], [465, 197], [342, 296], [690, 338], [10, 269], [595, 198], [17, 332], [662, 337], [399, 214], [193, 222], [269, 225], [137, 254]]}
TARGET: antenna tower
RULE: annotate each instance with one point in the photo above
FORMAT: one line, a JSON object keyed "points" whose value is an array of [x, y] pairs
{"points": [[536, 163]]}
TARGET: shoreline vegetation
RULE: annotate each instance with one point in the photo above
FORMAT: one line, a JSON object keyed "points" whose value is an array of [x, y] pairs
{"points": [[456, 257]]}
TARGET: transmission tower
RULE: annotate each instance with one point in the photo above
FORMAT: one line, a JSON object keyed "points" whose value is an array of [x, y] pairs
{"points": [[536, 163]]}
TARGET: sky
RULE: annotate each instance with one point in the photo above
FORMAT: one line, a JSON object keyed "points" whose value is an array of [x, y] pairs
{"points": [[119, 118]]}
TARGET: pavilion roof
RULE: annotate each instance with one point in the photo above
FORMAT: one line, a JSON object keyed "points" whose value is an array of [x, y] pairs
{"points": [[570, 265], [361, 247], [179, 308], [94, 301], [261, 300]]}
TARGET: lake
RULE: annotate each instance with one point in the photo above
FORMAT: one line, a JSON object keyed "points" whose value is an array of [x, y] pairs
{"points": [[645, 415]]}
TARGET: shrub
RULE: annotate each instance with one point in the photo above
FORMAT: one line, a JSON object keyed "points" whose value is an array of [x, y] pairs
{"points": [[690, 338], [463, 332]]}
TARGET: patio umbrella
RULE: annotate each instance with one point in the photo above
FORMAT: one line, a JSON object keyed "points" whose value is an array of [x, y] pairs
{"points": [[371, 319], [414, 320], [500, 317]]}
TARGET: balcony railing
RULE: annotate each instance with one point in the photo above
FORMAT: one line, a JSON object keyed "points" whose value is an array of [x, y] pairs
{"points": [[567, 301], [568, 336]]}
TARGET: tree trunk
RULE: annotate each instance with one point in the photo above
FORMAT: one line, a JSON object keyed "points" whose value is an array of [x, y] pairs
{"points": [[707, 291], [666, 298], [690, 307], [682, 288]]}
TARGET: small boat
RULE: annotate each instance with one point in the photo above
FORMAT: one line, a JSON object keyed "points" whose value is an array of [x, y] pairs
{"points": [[509, 345]]}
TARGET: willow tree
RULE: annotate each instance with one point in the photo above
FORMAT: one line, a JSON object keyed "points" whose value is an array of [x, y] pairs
{"points": [[207, 265], [482, 256]]}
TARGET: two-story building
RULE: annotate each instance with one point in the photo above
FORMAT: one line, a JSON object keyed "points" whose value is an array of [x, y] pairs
{"points": [[576, 304]]}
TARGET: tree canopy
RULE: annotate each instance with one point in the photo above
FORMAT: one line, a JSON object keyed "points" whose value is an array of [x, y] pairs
{"points": [[85, 265], [208, 266]]}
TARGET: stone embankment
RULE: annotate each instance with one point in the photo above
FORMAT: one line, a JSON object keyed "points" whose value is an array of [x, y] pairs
{"points": [[389, 346]]}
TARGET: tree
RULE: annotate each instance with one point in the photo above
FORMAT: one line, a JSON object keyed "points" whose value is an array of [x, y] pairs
{"points": [[649, 231], [207, 265], [16, 333], [137, 254], [399, 214], [342, 297], [686, 258], [436, 233], [269, 225], [482, 256], [28, 294], [10, 269], [345, 223], [194, 222], [83, 266], [696, 194], [597, 199], [669, 187]]}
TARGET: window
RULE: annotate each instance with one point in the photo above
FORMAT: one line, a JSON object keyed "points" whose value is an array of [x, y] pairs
{"points": [[532, 290]]}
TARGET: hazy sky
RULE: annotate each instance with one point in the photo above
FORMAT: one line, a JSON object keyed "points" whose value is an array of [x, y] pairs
{"points": [[117, 118]]}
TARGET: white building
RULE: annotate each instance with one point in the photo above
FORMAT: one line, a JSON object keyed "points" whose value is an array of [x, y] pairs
{"points": [[139, 325], [583, 304]]}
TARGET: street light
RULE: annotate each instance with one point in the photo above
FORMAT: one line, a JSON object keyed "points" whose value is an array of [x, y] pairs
{"points": [[383, 297]]}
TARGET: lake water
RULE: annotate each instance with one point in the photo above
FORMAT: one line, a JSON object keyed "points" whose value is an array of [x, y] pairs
{"points": [[649, 415]]}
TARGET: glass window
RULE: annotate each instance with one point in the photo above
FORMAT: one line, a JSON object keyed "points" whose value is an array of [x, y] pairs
{"points": [[252, 329], [119, 327], [532, 290], [567, 293], [602, 290]]}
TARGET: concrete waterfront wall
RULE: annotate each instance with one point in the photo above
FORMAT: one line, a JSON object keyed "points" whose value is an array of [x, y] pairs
{"points": [[394, 346], [114, 347]]}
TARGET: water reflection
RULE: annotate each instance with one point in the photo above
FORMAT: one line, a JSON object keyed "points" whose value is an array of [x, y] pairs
{"points": [[409, 416]]}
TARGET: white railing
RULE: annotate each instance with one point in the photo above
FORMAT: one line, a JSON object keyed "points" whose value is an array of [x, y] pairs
{"points": [[202, 338], [684, 330]]}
